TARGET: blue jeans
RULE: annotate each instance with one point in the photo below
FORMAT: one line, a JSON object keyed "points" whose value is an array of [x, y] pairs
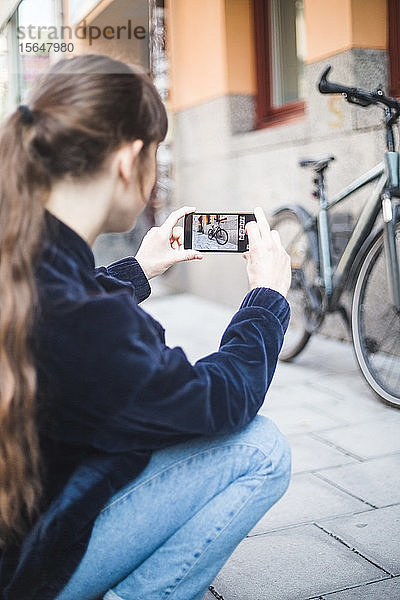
{"points": [[168, 533]]}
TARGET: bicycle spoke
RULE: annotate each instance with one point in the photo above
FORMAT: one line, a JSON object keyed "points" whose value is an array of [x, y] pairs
{"points": [[376, 326]]}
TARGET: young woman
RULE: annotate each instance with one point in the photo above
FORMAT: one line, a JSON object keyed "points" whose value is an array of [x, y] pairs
{"points": [[126, 472]]}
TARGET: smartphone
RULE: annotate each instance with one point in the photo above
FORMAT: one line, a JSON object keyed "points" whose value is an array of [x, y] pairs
{"points": [[217, 232]]}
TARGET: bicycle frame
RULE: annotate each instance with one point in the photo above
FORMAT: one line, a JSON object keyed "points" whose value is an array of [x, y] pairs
{"points": [[367, 267], [386, 174]]}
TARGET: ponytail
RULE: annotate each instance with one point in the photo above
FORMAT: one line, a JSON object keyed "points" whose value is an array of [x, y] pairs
{"points": [[21, 220]]}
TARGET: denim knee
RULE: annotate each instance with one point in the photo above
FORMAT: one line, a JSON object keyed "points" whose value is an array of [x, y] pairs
{"points": [[274, 450]]}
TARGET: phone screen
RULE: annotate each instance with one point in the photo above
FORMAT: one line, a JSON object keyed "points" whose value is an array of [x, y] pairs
{"points": [[217, 232]]}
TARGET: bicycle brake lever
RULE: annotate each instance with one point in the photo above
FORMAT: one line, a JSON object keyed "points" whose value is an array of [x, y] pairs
{"points": [[354, 100]]}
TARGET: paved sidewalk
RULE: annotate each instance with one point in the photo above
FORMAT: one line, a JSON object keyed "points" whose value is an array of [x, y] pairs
{"points": [[335, 535]]}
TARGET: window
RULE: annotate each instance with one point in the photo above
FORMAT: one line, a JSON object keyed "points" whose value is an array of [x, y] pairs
{"points": [[34, 23], [24, 51], [279, 36], [394, 47], [4, 73], [8, 69]]}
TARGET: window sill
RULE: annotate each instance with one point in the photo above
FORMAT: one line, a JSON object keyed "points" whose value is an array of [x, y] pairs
{"points": [[282, 115]]}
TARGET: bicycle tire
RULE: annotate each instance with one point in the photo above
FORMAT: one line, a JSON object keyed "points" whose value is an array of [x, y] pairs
{"points": [[210, 234], [376, 324], [221, 235], [297, 244]]}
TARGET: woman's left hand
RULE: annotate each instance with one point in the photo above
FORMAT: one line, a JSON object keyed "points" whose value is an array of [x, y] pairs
{"points": [[162, 246]]}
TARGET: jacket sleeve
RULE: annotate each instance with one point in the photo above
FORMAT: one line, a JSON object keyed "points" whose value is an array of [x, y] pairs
{"points": [[131, 391], [125, 270]]}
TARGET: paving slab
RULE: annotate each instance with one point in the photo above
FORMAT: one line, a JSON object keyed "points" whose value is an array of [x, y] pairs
{"points": [[296, 417], [292, 374], [304, 393], [349, 384], [179, 314], [308, 499], [292, 564], [375, 534], [375, 438], [327, 355], [335, 423], [354, 408], [309, 454], [376, 481], [389, 589]]}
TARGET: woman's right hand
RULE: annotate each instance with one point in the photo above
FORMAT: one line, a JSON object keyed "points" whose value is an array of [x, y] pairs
{"points": [[268, 263]]}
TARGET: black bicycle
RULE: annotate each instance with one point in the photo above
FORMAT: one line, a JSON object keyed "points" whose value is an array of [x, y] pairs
{"points": [[221, 235], [368, 265]]}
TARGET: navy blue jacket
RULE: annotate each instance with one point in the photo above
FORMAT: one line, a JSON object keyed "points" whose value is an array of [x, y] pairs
{"points": [[110, 392]]}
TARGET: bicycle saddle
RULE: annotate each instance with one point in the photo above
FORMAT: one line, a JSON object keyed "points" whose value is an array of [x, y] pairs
{"points": [[315, 163]]}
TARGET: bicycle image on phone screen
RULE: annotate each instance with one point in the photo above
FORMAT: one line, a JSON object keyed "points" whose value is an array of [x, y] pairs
{"points": [[215, 232]]}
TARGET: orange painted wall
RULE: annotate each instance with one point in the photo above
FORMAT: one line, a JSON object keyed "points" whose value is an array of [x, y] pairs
{"points": [[333, 27], [196, 44], [328, 27], [211, 50], [211, 43], [369, 18], [240, 47]]}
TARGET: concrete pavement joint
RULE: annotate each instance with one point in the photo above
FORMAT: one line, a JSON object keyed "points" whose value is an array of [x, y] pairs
{"points": [[317, 437], [360, 459], [286, 527], [215, 593], [341, 422], [342, 489], [300, 524], [342, 541], [314, 435], [327, 595]]}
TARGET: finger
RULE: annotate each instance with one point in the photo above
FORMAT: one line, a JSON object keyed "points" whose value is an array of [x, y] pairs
{"points": [[253, 233], [262, 221], [276, 237], [174, 217], [186, 255]]}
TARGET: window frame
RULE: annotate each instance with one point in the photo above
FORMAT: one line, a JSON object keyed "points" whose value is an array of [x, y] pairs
{"points": [[394, 47], [266, 113]]}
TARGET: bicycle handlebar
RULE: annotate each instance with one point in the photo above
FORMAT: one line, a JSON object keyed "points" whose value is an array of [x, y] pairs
{"points": [[356, 95]]}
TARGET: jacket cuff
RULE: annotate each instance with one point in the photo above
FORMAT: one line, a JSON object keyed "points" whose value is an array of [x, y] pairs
{"points": [[128, 269], [272, 301]]}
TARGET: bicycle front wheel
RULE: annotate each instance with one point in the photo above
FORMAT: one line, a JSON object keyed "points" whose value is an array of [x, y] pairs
{"points": [[376, 325], [221, 236], [297, 244]]}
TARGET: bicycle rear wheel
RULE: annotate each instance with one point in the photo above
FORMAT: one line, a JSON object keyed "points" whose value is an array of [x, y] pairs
{"points": [[296, 242], [376, 325]]}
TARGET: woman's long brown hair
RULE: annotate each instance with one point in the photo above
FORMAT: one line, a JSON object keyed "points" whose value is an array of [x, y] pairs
{"points": [[81, 110]]}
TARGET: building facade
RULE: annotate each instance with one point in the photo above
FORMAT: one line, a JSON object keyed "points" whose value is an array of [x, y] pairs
{"points": [[240, 87], [245, 105]]}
